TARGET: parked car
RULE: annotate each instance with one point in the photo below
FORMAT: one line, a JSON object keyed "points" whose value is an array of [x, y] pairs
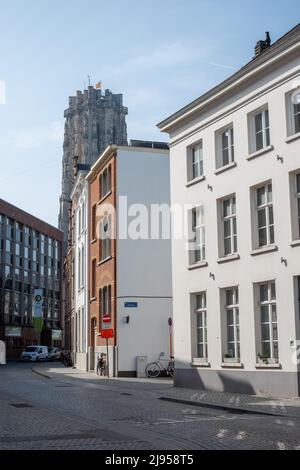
{"points": [[35, 353], [54, 354]]}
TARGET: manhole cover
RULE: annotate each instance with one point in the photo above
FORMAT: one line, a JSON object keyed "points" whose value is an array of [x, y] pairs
{"points": [[21, 405]]}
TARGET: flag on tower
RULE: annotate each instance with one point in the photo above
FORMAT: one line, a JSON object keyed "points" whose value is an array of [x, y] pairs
{"points": [[98, 86]]}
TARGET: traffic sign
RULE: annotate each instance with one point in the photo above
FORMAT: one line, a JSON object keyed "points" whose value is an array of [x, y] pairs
{"points": [[107, 333], [106, 319]]}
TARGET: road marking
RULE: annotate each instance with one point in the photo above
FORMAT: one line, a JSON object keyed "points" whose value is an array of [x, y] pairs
{"points": [[281, 445], [222, 433]]}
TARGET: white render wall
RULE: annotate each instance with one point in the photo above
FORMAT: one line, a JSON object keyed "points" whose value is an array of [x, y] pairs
{"points": [[143, 266], [81, 323], [271, 90]]}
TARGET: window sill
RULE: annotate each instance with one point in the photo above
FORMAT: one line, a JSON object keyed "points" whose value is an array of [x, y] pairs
{"points": [[93, 241], [265, 249], [104, 260], [195, 181], [293, 137], [232, 365], [225, 168], [202, 264], [197, 363], [260, 152], [295, 243], [228, 258], [93, 299], [268, 366], [104, 197]]}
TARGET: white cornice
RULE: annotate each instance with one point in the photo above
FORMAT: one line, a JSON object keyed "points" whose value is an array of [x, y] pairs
{"points": [[102, 160], [228, 112]]}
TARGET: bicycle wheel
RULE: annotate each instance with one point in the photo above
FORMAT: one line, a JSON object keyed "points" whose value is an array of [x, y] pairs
{"points": [[170, 369], [153, 370]]}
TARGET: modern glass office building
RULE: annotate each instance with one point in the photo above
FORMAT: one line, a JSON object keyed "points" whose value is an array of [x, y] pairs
{"points": [[30, 259]]}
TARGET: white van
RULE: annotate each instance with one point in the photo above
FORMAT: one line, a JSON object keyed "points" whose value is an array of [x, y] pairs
{"points": [[35, 353]]}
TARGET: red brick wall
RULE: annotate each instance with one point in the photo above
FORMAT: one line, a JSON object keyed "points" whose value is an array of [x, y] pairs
{"points": [[105, 272]]}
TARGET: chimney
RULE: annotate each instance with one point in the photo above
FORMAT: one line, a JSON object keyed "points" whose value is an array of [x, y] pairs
{"points": [[261, 46]]}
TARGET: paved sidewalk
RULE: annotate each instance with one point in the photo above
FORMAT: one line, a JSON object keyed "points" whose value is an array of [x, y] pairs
{"points": [[59, 371], [218, 400], [235, 401]]}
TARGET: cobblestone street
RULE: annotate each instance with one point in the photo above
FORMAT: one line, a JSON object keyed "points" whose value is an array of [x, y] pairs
{"points": [[78, 411]]}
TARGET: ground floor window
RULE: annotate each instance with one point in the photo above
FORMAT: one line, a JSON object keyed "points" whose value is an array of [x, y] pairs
{"points": [[201, 322], [232, 323], [268, 321]]}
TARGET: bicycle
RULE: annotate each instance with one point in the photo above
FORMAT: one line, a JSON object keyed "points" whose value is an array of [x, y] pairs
{"points": [[67, 359], [154, 369], [101, 365]]}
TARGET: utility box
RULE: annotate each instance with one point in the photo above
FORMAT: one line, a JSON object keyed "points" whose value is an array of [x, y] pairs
{"points": [[141, 362], [2, 353]]}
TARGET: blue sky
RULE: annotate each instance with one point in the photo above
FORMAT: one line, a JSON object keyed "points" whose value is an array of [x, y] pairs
{"points": [[160, 54]]}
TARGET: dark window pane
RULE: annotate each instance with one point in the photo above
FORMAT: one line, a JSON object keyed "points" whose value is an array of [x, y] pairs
{"points": [[298, 183], [263, 292], [259, 141], [227, 246], [225, 157], [262, 220], [264, 314], [266, 350], [226, 208], [227, 228], [272, 239], [261, 198], [267, 137], [262, 237], [258, 122], [271, 218], [265, 332]]}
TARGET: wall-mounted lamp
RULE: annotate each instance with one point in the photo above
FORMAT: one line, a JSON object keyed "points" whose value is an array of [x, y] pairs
{"points": [[209, 187], [127, 319], [279, 158], [283, 261], [212, 276]]}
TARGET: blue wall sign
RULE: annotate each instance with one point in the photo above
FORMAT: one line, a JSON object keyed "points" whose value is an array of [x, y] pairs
{"points": [[130, 304]]}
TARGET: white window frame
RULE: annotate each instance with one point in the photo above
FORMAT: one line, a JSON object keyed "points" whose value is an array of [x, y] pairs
{"points": [[82, 266], [297, 176], [197, 245], [106, 183], [201, 312], [265, 131], [231, 218], [79, 269], [106, 304], [266, 206], [195, 169], [290, 111], [234, 307], [105, 238], [220, 149], [269, 303]]}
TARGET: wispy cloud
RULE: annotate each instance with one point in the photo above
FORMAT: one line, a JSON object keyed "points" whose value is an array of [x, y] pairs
{"points": [[166, 55], [33, 137], [223, 66]]}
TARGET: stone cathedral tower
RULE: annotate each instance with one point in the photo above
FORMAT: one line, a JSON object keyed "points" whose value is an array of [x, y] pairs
{"points": [[93, 121]]}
